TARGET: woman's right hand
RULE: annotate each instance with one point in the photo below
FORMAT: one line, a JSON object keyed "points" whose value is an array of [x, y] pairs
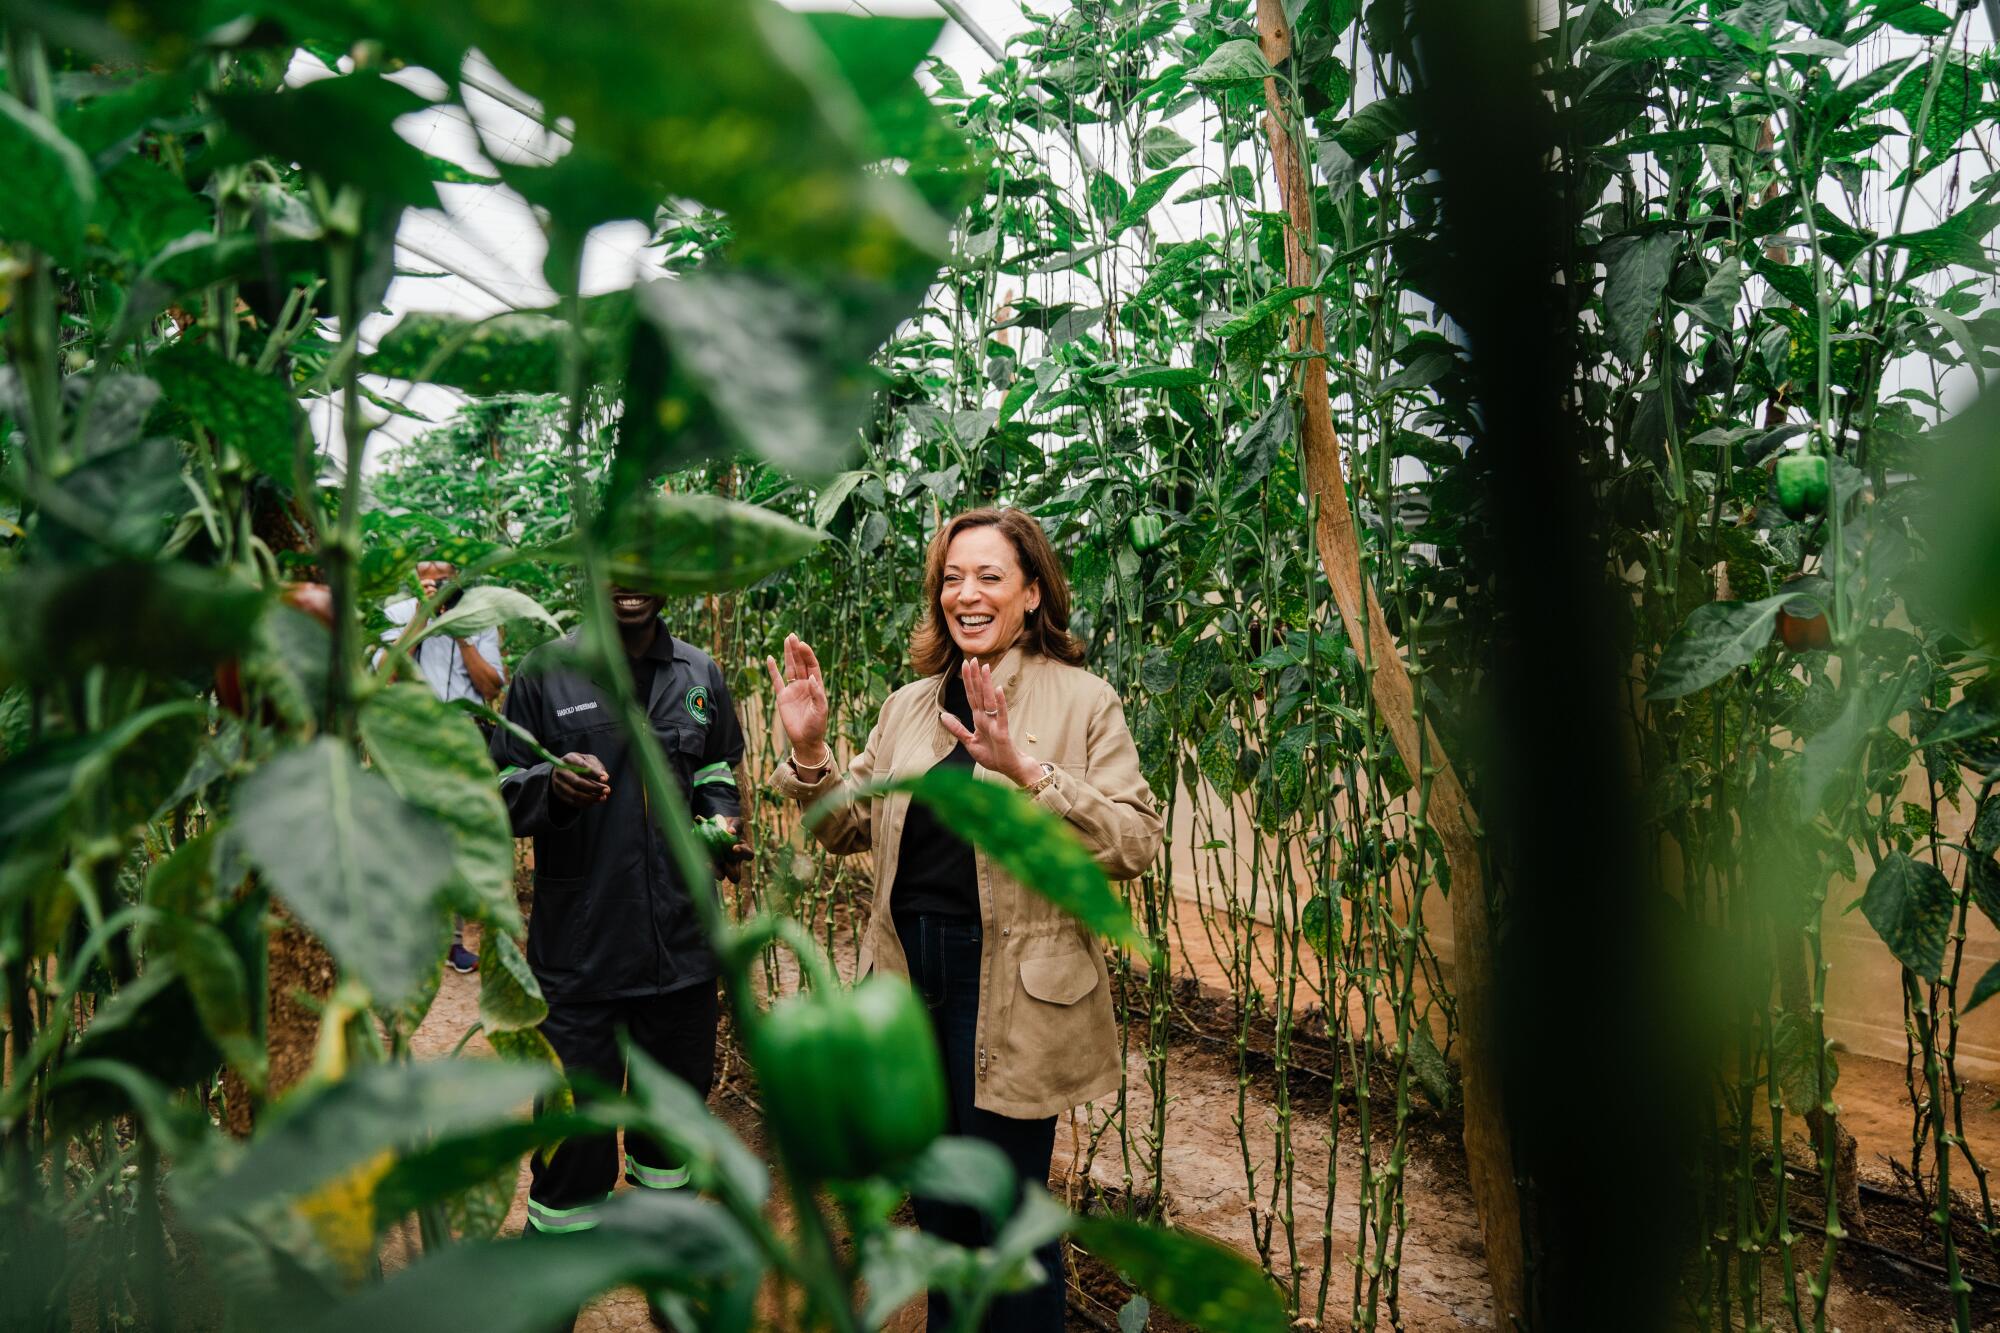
{"points": [[801, 702]]}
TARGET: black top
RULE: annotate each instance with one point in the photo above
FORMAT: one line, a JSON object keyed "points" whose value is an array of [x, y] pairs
{"points": [[612, 918], [934, 871]]}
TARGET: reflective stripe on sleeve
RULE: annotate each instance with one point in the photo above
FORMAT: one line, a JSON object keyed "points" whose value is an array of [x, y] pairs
{"points": [[717, 772]]}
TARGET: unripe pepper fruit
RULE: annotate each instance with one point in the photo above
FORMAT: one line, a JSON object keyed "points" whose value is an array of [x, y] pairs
{"points": [[717, 837], [1802, 484], [851, 1079], [1147, 532]]}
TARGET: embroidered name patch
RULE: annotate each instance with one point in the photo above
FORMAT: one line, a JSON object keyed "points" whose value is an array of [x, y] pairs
{"points": [[697, 704], [575, 708]]}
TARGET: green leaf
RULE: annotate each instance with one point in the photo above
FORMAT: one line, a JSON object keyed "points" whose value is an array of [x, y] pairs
{"points": [[970, 1172], [143, 207], [1952, 107], [359, 866], [755, 362], [1655, 41], [509, 995], [1209, 1285], [1132, 1315], [1960, 240], [1373, 127], [835, 493], [1160, 147], [1018, 393], [1169, 267], [165, 619], [1911, 904], [327, 1130], [676, 1115], [1987, 986], [50, 191], [1717, 639], [1261, 311], [1638, 268], [673, 545], [215, 978], [437, 1171], [485, 607], [193, 264], [1028, 843], [519, 352], [1831, 752], [516, 1286], [104, 781], [1982, 880], [252, 413], [435, 758], [293, 125], [773, 133], [1232, 65], [1986, 828], [1145, 197], [1796, 1057], [1155, 377], [1716, 306], [1427, 1062], [1973, 715]]}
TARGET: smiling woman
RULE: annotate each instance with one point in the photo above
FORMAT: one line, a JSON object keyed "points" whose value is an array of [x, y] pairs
{"points": [[1019, 995]]}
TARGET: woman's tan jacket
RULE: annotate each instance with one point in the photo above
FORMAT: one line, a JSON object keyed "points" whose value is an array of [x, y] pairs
{"points": [[1047, 1039]]}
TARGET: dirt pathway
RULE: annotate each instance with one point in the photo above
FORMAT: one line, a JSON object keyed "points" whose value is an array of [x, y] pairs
{"points": [[1443, 1284]]}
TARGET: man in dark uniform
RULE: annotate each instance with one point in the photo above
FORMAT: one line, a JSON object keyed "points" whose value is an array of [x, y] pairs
{"points": [[614, 937]]}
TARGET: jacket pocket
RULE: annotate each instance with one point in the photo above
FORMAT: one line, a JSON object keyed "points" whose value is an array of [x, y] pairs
{"points": [[558, 932], [1062, 978]]}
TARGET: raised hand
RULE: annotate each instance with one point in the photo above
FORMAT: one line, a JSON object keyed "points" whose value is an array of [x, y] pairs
{"points": [[801, 696], [989, 743]]}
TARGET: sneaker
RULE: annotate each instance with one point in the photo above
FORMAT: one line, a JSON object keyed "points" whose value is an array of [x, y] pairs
{"points": [[461, 958]]}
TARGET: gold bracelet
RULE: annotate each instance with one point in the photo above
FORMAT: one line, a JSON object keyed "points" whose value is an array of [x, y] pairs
{"points": [[818, 770]]}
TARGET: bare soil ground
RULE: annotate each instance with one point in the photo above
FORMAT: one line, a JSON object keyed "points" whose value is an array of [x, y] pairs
{"points": [[1883, 1281]]}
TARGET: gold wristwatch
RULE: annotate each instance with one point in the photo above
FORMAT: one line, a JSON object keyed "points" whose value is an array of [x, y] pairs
{"points": [[1048, 775]]}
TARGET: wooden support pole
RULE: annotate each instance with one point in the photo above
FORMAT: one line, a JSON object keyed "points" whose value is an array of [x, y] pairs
{"points": [[1488, 1145]]}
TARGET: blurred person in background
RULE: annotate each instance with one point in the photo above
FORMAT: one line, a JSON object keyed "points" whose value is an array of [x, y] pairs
{"points": [[1019, 994], [614, 937], [467, 668]]}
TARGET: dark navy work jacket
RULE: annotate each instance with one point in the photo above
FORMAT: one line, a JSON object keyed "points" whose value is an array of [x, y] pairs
{"points": [[611, 917]]}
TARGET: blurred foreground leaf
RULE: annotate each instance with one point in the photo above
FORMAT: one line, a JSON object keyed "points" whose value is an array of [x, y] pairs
{"points": [[674, 545], [1208, 1285], [1028, 843], [356, 863]]}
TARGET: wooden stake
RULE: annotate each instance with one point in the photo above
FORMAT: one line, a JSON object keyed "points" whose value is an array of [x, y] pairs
{"points": [[1488, 1145]]}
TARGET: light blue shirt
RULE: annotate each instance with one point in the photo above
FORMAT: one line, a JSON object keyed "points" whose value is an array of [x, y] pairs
{"points": [[438, 656]]}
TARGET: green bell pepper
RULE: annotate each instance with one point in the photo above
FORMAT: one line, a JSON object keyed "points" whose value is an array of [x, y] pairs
{"points": [[1802, 484], [717, 837], [851, 1079], [1147, 532]]}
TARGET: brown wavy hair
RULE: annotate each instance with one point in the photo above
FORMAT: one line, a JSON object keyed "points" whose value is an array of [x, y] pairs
{"points": [[1046, 631]]}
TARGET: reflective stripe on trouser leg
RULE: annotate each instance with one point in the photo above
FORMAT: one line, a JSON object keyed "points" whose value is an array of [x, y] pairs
{"points": [[654, 1177], [560, 1221]]}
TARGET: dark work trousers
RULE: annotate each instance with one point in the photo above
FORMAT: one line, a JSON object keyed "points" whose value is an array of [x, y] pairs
{"points": [[943, 953], [677, 1030]]}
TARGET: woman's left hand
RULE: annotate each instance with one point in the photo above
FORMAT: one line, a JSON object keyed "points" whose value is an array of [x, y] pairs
{"points": [[989, 743]]}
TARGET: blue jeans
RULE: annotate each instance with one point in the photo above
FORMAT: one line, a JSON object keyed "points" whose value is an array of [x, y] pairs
{"points": [[943, 953]]}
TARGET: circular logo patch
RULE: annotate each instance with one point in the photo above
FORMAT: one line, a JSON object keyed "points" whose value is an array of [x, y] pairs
{"points": [[696, 703]]}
